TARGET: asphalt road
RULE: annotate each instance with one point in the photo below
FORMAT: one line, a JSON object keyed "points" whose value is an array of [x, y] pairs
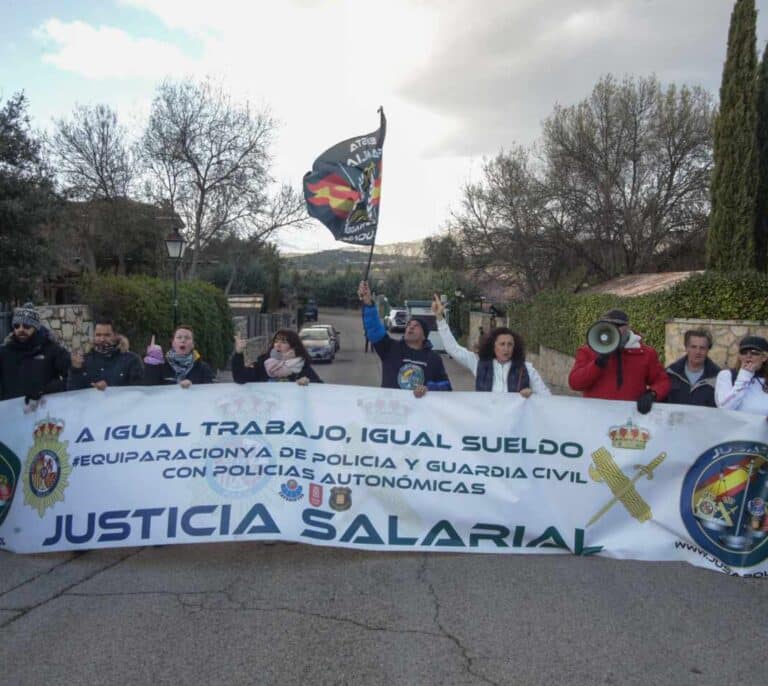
{"points": [[255, 613]]}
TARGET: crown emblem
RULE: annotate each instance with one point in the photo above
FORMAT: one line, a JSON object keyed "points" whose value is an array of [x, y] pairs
{"points": [[629, 436], [384, 410], [48, 429]]}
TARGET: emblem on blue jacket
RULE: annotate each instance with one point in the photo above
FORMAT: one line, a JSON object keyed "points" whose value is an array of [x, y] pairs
{"points": [[409, 376]]}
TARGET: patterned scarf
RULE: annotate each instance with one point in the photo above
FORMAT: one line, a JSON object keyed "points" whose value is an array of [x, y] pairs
{"points": [[181, 364], [280, 366]]}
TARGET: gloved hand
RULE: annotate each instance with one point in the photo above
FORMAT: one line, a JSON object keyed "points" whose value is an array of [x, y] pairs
{"points": [[33, 397], [602, 361], [645, 402]]}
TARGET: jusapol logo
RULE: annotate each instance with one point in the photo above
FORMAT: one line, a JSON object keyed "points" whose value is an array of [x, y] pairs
{"points": [[723, 502]]}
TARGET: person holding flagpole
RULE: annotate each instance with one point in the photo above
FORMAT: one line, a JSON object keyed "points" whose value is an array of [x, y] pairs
{"points": [[409, 363]]}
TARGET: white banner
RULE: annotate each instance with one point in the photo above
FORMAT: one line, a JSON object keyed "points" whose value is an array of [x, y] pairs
{"points": [[378, 469]]}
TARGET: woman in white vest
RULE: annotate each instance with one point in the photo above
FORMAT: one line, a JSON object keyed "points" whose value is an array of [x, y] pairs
{"points": [[499, 365]]}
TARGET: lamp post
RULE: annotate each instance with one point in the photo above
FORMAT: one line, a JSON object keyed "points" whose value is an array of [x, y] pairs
{"points": [[175, 245]]}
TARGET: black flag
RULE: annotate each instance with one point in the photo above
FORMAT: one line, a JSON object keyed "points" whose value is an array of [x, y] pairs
{"points": [[343, 190]]}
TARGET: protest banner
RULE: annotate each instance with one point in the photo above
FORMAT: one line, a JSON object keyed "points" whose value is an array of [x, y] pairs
{"points": [[378, 469]]}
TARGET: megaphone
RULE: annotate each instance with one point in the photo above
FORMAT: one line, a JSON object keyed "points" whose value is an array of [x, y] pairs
{"points": [[604, 338]]}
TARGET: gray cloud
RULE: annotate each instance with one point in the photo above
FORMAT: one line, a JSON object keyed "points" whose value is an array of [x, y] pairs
{"points": [[498, 67]]}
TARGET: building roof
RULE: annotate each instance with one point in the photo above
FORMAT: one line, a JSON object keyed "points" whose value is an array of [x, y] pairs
{"points": [[641, 284]]}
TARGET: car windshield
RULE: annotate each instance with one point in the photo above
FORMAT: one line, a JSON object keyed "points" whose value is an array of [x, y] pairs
{"points": [[314, 335]]}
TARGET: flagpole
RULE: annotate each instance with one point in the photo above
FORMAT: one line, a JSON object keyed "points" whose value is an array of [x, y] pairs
{"points": [[382, 133]]}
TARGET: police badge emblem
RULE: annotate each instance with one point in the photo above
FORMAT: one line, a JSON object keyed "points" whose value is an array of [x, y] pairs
{"points": [[47, 468], [10, 468], [341, 498]]}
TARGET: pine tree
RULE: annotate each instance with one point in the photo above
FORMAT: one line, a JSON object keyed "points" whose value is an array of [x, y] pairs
{"points": [[731, 241], [761, 215]]}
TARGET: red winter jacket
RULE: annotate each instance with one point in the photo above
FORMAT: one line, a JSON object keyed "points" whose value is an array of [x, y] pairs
{"points": [[641, 370]]}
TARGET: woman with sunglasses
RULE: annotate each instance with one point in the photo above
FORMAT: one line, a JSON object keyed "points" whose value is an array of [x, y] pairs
{"points": [[287, 360], [745, 389]]}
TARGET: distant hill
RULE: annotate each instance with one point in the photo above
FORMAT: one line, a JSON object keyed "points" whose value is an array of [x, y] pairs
{"points": [[384, 257]]}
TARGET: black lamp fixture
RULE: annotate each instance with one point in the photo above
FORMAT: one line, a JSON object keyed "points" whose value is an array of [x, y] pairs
{"points": [[175, 246]]}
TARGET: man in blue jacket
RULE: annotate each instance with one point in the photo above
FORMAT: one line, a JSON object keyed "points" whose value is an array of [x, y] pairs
{"points": [[692, 377], [409, 363]]}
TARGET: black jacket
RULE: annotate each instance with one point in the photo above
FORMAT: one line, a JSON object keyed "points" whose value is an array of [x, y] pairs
{"points": [[257, 373], [33, 368], [163, 374], [116, 368], [703, 391]]}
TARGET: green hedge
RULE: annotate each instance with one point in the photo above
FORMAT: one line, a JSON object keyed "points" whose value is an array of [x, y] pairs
{"points": [[141, 306], [560, 320]]}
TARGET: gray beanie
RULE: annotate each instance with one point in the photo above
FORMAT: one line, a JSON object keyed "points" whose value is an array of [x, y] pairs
{"points": [[26, 315]]}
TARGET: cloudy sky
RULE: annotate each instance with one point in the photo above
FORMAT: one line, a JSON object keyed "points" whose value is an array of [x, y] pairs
{"points": [[459, 79]]}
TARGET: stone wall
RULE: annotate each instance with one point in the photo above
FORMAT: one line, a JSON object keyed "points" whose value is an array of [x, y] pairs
{"points": [[726, 334], [553, 367], [71, 324]]}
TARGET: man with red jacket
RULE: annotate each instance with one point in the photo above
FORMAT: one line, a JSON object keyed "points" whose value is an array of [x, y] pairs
{"points": [[632, 372]]}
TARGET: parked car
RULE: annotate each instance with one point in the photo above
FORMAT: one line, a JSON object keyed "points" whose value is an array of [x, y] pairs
{"points": [[331, 329], [396, 320], [318, 343], [310, 311]]}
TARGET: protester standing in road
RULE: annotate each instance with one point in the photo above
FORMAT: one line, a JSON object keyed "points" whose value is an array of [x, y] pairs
{"points": [[745, 388], [106, 364], [180, 365], [409, 363], [499, 365], [287, 360], [32, 363], [692, 377]]}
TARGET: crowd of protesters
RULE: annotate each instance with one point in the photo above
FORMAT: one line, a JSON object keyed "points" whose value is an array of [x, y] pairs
{"points": [[33, 364]]}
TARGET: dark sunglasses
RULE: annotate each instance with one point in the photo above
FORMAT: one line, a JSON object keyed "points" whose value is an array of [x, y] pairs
{"points": [[22, 326], [752, 351]]}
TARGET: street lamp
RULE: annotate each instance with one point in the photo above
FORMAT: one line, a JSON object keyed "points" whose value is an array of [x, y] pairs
{"points": [[175, 245]]}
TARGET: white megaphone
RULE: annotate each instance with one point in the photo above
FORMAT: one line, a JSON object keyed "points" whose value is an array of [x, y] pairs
{"points": [[605, 338]]}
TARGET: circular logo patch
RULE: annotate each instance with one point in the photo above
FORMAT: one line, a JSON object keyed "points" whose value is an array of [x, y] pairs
{"points": [[409, 376], [44, 473], [723, 502]]}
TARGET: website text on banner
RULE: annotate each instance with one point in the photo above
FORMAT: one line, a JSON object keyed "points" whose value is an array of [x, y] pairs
{"points": [[377, 469]]}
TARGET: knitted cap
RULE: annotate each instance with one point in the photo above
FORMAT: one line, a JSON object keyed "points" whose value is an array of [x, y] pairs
{"points": [[26, 315]]}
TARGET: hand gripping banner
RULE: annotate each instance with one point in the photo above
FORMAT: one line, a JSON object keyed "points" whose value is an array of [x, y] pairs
{"points": [[378, 469]]}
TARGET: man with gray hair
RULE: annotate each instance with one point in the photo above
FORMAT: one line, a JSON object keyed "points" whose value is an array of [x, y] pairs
{"points": [[693, 376], [32, 363]]}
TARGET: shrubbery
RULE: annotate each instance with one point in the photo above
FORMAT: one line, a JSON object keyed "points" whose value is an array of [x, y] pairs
{"points": [[141, 306], [560, 320]]}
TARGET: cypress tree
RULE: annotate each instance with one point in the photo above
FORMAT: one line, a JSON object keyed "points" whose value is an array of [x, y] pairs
{"points": [[731, 239], [761, 215]]}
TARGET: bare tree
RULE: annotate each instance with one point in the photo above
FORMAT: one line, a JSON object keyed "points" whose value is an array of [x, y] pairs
{"points": [[620, 184], [92, 157], [209, 157], [501, 225], [627, 172]]}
